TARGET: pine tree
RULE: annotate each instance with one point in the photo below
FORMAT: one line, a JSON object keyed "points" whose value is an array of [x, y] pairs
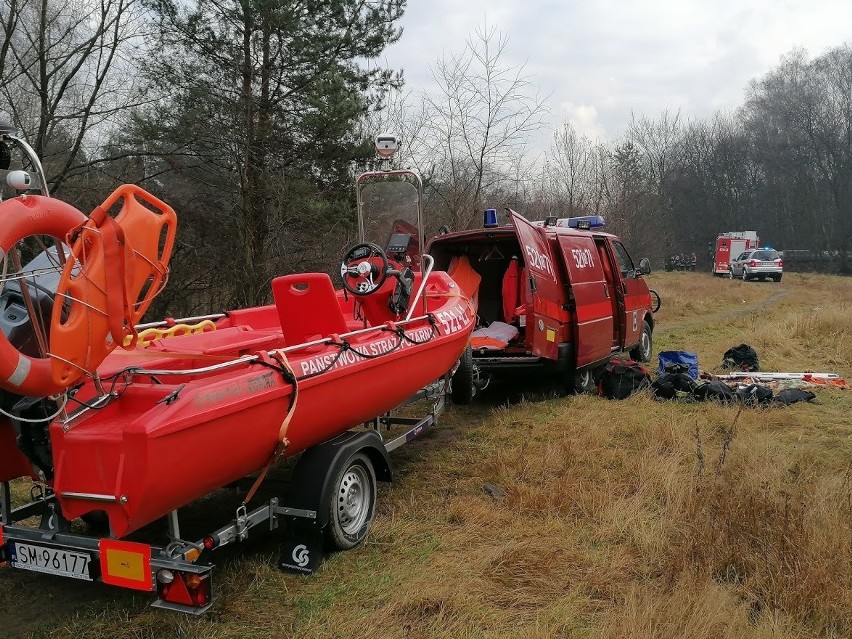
{"points": [[260, 111]]}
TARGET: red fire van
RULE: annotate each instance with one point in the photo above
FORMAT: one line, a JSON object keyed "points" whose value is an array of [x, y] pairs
{"points": [[559, 295]]}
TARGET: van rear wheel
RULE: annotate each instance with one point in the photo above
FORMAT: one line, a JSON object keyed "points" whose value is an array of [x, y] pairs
{"points": [[584, 382], [642, 351], [463, 383]]}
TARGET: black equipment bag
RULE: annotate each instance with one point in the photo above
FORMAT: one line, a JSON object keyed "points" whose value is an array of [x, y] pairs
{"points": [[674, 384], [755, 395], [793, 395], [620, 379], [741, 358], [715, 390]]}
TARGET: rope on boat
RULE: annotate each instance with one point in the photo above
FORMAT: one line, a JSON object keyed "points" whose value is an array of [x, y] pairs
{"points": [[285, 371], [434, 329], [281, 447], [344, 345], [41, 420]]}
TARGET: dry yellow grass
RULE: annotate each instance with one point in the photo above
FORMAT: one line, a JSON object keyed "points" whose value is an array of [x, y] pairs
{"points": [[620, 519]]}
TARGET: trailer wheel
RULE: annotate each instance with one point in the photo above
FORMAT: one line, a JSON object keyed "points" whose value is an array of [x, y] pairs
{"points": [[464, 379], [96, 520], [642, 351], [352, 503]]}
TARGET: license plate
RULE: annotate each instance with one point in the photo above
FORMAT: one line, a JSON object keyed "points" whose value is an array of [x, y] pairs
{"points": [[54, 561]]}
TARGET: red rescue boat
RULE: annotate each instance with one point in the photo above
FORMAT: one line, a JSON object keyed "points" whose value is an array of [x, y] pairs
{"points": [[129, 458], [231, 392]]}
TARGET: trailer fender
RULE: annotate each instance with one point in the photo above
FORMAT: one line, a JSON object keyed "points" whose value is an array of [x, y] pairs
{"points": [[311, 484], [311, 490]]}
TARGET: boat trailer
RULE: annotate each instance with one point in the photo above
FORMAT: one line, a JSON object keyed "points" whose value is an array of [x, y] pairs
{"points": [[180, 573]]}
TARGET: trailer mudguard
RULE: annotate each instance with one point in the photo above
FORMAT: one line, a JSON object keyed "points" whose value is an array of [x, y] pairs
{"points": [[310, 485]]}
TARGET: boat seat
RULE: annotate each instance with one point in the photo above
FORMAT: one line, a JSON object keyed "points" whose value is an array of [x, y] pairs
{"points": [[511, 291], [307, 306]]}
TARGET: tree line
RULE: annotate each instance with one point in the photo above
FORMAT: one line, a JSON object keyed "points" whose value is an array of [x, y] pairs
{"points": [[780, 164], [251, 118]]}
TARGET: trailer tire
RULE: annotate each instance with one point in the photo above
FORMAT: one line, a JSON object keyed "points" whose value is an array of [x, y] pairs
{"points": [[463, 381], [96, 520], [642, 351], [351, 503]]}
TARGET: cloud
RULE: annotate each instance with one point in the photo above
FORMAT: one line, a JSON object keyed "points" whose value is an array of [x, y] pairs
{"points": [[584, 118], [603, 60]]}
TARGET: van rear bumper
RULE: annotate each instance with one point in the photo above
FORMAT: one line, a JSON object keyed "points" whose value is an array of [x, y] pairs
{"points": [[500, 361]]}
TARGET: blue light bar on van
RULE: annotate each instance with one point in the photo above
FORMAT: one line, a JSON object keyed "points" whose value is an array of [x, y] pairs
{"points": [[583, 222], [490, 218]]}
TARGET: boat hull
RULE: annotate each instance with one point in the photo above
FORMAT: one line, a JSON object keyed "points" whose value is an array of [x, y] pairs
{"points": [[15, 463], [168, 440]]}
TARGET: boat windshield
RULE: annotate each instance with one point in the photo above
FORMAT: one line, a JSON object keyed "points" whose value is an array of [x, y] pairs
{"points": [[390, 217]]}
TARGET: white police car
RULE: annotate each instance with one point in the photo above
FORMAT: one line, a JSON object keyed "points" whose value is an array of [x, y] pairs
{"points": [[762, 264]]}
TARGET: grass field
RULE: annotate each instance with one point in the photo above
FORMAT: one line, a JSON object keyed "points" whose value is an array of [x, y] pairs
{"points": [[632, 518]]}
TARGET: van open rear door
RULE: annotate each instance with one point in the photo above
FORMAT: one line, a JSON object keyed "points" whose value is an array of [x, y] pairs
{"points": [[593, 303], [550, 319]]}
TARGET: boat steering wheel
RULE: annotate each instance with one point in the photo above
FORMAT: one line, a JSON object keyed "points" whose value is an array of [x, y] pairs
{"points": [[360, 272]]}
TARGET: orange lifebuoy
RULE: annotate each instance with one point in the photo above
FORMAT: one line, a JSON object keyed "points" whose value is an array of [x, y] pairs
{"points": [[22, 217], [116, 268]]}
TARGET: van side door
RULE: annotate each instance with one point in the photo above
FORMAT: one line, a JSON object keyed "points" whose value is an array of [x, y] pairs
{"points": [[590, 299], [549, 319], [632, 295]]}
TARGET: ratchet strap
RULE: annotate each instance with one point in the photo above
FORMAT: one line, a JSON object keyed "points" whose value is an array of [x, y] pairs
{"points": [[283, 442]]}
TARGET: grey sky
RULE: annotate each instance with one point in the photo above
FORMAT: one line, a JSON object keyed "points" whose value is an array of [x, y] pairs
{"points": [[603, 59]]}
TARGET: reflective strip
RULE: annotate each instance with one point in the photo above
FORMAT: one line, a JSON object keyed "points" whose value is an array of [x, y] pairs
{"points": [[19, 375]]}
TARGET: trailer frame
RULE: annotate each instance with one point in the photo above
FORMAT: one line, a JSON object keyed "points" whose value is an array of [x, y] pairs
{"points": [[181, 565]]}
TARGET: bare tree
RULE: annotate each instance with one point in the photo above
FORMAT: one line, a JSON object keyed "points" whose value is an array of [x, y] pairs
{"points": [[66, 76], [658, 143], [478, 123], [570, 170]]}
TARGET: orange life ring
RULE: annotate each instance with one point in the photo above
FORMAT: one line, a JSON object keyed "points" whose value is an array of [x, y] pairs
{"points": [[116, 268], [22, 217]]}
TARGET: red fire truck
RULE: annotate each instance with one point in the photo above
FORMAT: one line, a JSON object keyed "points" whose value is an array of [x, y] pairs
{"points": [[729, 245]]}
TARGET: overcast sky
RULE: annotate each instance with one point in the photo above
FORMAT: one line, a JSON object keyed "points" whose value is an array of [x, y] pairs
{"points": [[602, 59]]}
